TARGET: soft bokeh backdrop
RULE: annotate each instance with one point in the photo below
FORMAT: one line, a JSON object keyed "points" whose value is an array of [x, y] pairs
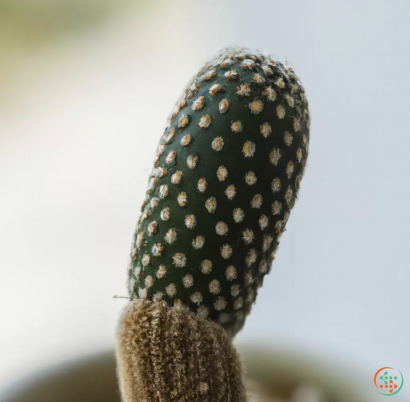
{"points": [[86, 89]]}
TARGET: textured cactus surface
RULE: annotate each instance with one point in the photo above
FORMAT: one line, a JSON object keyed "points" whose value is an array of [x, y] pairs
{"points": [[169, 354], [225, 177]]}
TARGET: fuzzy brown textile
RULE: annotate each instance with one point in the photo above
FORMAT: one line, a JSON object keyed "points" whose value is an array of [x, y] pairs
{"points": [[168, 354]]}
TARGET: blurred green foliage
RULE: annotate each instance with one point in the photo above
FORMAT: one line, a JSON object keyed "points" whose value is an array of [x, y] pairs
{"points": [[33, 21]]}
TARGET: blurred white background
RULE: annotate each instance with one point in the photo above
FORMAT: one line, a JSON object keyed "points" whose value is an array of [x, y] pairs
{"points": [[86, 91]]}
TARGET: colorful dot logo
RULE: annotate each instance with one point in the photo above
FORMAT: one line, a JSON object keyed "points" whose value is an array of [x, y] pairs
{"points": [[388, 381]]}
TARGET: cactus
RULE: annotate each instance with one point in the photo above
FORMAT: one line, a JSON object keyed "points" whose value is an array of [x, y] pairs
{"points": [[170, 354], [226, 175]]}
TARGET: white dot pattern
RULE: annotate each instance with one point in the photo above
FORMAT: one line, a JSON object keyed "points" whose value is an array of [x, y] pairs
{"points": [[226, 175]]}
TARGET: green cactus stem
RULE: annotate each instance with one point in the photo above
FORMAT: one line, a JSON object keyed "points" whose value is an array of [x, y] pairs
{"points": [[225, 178], [226, 175]]}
